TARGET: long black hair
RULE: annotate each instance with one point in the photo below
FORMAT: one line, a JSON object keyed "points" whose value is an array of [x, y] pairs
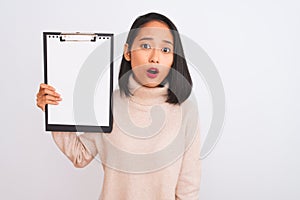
{"points": [[180, 82]]}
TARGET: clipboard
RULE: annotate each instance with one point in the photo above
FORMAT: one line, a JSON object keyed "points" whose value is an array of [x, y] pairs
{"points": [[80, 67]]}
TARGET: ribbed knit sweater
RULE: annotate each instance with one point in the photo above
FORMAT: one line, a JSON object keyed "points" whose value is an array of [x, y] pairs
{"points": [[152, 153]]}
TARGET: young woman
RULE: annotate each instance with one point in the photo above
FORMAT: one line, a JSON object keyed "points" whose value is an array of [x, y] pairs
{"points": [[153, 155]]}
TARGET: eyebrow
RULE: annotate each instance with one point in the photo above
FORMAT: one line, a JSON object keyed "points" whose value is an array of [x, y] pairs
{"points": [[169, 42], [149, 38]]}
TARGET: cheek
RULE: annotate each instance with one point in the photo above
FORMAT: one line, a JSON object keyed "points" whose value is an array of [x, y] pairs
{"points": [[165, 71], [167, 60], [138, 58]]}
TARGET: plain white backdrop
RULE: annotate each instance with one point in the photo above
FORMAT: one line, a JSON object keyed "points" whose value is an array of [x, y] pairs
{"points": [[255, 46]]}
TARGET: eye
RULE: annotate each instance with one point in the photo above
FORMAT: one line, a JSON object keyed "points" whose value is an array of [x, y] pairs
{"points": [[145, 46], [166, 50]]}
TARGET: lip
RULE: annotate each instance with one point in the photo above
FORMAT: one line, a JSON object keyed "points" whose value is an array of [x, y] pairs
{"points": [[151, 75]]}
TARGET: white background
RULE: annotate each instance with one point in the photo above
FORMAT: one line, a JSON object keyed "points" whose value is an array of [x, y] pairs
{"points": [[255, 46]]}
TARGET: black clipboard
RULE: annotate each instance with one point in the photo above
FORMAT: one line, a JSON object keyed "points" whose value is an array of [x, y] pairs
{"points": [[80, 67]]}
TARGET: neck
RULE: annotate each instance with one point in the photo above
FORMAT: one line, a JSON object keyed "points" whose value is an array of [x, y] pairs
{"points": [[147, 95]]}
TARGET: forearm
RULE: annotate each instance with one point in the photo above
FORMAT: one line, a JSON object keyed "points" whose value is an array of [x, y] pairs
{"points": [[70, 144]]}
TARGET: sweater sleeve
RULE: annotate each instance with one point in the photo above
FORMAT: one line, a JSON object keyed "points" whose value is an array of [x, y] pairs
{"points": [[188, 184], [80, 153]]}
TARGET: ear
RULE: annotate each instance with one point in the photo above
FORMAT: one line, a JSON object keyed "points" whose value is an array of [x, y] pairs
{"points": [[126, 52]]}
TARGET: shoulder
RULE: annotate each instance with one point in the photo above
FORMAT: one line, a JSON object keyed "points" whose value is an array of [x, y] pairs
{"points": [[190, 106], [118, 95], [189, 110], [190, 118], [116, 92]]}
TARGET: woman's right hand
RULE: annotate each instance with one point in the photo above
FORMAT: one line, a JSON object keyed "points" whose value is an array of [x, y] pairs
{"points": [[47, 95]]}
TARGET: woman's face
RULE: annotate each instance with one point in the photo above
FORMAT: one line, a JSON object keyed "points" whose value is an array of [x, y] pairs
{"points": [[151, 54]]}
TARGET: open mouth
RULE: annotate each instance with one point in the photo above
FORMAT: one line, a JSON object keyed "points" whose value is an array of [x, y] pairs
{"points": [[152, 72]]}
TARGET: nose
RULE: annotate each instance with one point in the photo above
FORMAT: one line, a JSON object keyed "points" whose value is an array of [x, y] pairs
{"points": [[154, 56]]}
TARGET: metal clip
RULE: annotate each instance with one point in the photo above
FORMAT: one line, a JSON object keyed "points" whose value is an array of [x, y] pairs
{"points": [[77, 37]]}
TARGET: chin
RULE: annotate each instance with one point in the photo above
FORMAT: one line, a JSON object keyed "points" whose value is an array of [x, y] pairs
{"points": [[152, 85]]}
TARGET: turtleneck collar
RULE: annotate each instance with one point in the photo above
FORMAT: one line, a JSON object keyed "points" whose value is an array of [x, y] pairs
{"points": [[146, 95]]}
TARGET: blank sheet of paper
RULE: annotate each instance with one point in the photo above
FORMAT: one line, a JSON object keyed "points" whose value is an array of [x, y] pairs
{"points": [[80, 69]]}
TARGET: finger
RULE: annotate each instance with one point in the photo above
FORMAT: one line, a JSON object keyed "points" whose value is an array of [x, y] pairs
{"points": [[52, 98], [42, 104], [47, 92], [51, 102], [46, 86], [41, 107], [43, 100]]}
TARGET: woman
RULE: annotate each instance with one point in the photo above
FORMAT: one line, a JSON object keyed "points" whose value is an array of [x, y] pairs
{"points": [[156, 154]]}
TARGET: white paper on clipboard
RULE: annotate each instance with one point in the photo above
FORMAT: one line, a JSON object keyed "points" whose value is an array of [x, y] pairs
{"points": [[79, 66]]}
